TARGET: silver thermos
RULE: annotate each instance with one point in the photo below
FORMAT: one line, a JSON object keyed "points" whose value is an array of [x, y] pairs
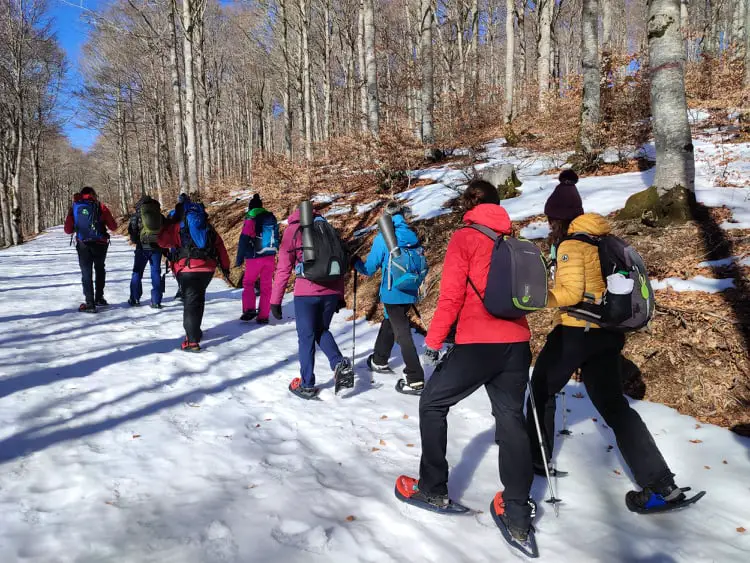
{"points": [[389, 234], [306, 219]]}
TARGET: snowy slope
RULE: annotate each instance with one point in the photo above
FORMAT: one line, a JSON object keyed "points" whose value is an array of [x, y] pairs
{"points": [[116, 447]]}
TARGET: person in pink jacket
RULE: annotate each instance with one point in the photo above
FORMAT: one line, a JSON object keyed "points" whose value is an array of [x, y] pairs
{"points": [[314, 307], [257, 248]]}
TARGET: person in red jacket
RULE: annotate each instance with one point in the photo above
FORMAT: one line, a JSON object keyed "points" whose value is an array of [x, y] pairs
{"points": [[89, 219], [194, 267], [488, 351]]}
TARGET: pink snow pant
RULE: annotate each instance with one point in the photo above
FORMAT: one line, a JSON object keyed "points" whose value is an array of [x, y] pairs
{"points": [[258, 268]]}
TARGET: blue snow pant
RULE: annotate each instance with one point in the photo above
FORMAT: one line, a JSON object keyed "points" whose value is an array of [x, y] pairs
{"points": [[143, 257], [313, 316]]}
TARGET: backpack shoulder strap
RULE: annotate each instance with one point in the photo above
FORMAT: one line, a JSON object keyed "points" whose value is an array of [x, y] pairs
{"points": [[486, 231], [583, 237]]}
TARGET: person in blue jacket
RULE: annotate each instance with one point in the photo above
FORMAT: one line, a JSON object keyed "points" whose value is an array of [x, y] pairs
{"points": [[395, 327]]}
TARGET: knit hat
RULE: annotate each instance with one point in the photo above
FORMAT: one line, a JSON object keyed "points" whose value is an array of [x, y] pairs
{"points": [[254, 203], [182, 198], [565, 202]]}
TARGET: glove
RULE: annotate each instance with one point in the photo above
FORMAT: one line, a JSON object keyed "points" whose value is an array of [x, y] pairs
{"points": [[276, 311], [431, 357]]}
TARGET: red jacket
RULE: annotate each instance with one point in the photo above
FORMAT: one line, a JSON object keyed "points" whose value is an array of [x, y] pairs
{"points": [[468, 256], [169, 237], [106, 216]]}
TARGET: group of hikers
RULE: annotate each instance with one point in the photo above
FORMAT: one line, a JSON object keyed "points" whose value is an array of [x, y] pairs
{"points": [[490, 282]]}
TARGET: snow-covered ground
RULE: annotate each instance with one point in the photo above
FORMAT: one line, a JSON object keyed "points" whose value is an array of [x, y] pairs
{"points": [[117, 447]]}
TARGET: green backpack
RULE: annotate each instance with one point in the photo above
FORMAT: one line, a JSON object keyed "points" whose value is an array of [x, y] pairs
{"points": [[150, 220]]}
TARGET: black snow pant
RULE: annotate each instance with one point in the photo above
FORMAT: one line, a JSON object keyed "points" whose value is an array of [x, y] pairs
{"points": [[597, 353], [503, 369], [396, 328], [193, 285], [91, 258]]}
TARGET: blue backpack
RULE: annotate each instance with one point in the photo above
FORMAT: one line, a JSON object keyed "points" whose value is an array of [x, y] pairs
{"points": [[87, 220], [408, 270], [266, 242], [197, 237]]}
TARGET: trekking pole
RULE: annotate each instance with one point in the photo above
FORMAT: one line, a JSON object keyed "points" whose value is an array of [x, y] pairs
{"points": [[564, 431], [553, 500], [354, 319]]}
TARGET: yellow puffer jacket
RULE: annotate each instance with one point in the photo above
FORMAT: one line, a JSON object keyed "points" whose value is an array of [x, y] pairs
{"points": [[578, 269]]}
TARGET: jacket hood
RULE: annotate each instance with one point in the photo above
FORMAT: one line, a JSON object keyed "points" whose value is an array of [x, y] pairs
{"points": [[253, 213], [591, 224], [404, 235], [490, 215]]}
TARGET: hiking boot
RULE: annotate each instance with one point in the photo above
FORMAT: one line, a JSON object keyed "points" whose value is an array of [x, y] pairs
{"points": [[649, 498], [133, 302], [517, 524], [87, 308], [156, 305], [261, 321], [377, 368], [101, 302], [178, 295], [249, 315], [407, 488], [295, 386], [190, 346], [409, 387], [344, 374]]}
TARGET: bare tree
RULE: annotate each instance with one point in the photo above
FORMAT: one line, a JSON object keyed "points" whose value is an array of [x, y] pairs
{"points": [[510, 46], [589, 131], [428, 76], [373, 101], [546, 9]]}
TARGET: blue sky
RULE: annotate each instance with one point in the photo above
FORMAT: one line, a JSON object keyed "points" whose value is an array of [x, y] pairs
{"points": [[72, 31]]}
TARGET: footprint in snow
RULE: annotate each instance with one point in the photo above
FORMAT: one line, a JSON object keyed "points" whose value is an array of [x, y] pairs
{"points": [[299, 535], [217, 542]]}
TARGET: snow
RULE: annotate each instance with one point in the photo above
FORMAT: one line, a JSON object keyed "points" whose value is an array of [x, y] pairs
{"points": [[697, 116], [365, 207], [116, 447], [337, 210], [698, 283], [725, 262], [427, 202], [535, 230], [325, 198]]}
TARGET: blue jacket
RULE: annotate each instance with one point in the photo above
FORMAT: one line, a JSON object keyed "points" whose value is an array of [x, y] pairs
{"points": [[378, 259]]}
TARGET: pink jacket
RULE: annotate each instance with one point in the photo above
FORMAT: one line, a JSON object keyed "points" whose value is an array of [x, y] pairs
{"points": [[290, 254]]}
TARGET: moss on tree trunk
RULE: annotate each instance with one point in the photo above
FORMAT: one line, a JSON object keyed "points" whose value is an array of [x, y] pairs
{"points": [[672, 208]]}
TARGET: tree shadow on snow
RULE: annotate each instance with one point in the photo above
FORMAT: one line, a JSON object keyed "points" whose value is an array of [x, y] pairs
{"points": [[39, 287], [35, 439], [40, 315]]}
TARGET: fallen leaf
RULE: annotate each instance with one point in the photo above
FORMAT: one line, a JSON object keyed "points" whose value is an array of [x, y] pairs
{"points": [[406, 416], [696, 441], [136, 436], [268, 419], [741, 530], [110, 502], [725, 462], [617, 472], [698, 426], [375, 450], [384, 417], [257, 425], [707, 467], [251, 486], [382, 442], [351, 518], [595, 419], [578, 395], [409, 445], [610, 448]]}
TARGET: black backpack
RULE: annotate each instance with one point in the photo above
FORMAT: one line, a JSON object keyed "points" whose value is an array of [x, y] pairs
{"points": [[331, 259], [517, 280], [197, 236], [619, 311]]}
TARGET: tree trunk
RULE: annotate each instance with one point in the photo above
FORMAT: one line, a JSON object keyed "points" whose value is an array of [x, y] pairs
{"points": [[191, 150], [327, 75], [428, 75], [588, 144], [36, 183], [306, 81], [288, 114], [15, 186], [177, 114], [475, 52], [510, 46], [747, 43], [204, 116], [362, 66], [373, 109], [546, 8], [675, 161]]}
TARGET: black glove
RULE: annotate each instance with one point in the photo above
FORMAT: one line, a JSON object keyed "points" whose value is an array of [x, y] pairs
{"points": [[430, 357], [276, 311]]}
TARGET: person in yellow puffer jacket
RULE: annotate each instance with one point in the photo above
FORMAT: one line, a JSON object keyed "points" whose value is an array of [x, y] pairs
{"points": [[574, 344]]}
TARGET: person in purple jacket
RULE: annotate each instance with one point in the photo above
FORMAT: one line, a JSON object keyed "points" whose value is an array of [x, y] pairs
{"points": [[314, 307]]}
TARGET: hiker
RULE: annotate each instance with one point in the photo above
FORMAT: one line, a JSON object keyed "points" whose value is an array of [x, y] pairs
{"points": [[396, 303], [147, 210], [575, 343], [489, 352], [171, 253], [89, 219], [257, 248], [199, 250], [315, 302]]}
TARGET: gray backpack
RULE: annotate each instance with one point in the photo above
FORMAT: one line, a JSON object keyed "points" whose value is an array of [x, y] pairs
{"points": [[628, 303]]}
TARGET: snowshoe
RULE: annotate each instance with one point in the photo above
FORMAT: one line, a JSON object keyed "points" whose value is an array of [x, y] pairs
{"points": [[343, 376], [520, 538], [649, 501], [133, 302], [248, 315], [377, 368], [87, 308], [407, 490], [188, 346], [261, 321], [101, 302], [414, 388], [553, 471], [303, 392], [156, 305]]}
